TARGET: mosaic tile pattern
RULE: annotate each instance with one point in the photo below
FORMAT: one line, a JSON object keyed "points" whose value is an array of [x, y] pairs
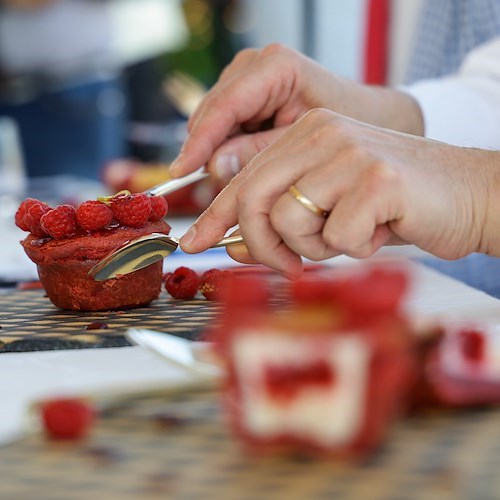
{"points": [[30, 322]]}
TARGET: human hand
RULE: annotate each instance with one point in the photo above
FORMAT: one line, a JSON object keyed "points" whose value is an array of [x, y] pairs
{"points": [[262, 92], [380, 187]]}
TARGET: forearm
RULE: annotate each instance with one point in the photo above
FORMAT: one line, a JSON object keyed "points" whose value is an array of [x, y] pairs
{"points": [[382, 106], [392, 109]]}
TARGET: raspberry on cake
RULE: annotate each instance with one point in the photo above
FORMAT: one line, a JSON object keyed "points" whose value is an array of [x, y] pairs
{"points": [[131, 210], [65, 244], [60, 222], [159, 207], [32, 218], [93, 215], [20, 217], [323, 373]]}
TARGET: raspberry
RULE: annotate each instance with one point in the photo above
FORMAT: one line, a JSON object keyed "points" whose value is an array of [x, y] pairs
{"points": [[132, 209], [23, 210], [33, 218], [159, 208], [59, 222], [183, 283], [212, 281], [93, 215], [67, 418]]}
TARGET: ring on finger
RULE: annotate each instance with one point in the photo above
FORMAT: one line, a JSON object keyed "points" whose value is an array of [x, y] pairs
{"points": [[307, 203]]}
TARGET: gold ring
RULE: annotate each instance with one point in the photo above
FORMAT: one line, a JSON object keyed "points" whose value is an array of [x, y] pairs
{"points": [[307, 203]]}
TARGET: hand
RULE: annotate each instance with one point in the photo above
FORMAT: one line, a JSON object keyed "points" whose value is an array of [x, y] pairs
{"points": [[382, 187], [262, 92]]}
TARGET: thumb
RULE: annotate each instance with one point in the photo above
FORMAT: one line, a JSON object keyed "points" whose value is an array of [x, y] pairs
{"points": [[235, 153]]}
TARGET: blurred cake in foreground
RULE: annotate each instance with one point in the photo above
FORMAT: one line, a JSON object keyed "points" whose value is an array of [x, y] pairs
{"points": [[65, 243], [462, 368], [327, 372]]}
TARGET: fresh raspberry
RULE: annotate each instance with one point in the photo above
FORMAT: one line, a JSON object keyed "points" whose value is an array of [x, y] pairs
{"points": [[67, 418], [159, 208], [59, 222], [93, 215], [183, 283], [212, 281], [33, 219], [23, 210], [132, 209]]}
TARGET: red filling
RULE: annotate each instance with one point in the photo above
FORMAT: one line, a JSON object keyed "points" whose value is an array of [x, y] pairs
{"points": [[284, 382], [473, 345]]}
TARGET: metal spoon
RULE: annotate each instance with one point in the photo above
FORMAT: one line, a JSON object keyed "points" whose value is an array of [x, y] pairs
{"points": [[172, 185], [141, 252]]}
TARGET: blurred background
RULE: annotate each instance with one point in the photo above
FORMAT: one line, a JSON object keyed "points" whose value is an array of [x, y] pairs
{"points": [[94, 94]]}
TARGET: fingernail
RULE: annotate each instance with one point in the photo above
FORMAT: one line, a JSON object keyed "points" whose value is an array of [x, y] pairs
{"points": [[227, 166], [189, 237], [174, 168]]}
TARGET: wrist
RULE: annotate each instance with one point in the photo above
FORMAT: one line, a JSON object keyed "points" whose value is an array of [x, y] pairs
{"points": [[488, 164], [394, 109]]}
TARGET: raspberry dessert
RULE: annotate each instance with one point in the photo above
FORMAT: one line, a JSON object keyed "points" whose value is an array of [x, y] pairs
{"points": [[326, 373], [463, 368], [66, 243]]}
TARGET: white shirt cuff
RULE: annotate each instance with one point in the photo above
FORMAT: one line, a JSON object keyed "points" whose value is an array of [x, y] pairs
{"points": [[457, 111]]}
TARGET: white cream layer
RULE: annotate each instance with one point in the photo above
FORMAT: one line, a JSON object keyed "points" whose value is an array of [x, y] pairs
{"points": [[328, 415]]}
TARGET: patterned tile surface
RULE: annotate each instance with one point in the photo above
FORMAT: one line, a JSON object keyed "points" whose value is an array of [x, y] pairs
{"points": [[29, 322]]}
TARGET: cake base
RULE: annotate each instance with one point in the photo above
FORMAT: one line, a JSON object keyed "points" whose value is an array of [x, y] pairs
{"points": [[69, 287]]}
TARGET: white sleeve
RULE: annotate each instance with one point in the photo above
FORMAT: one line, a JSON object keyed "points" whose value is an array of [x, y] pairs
{"points": [[464, 108]]}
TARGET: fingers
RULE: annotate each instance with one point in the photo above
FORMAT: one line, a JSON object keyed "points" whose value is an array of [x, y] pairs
{"points": [[241, 61], [359, 224], [233, 155], [250, 196], [301, 229], [332, 161], [240, 252], [253, 91], [213, 223]]}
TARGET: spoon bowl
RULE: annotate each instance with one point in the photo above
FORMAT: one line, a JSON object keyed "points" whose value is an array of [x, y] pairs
{"points": [[142, 252]]}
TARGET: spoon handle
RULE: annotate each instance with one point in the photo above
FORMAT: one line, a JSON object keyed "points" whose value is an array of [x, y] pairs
{"points": [[230, 240], [174, 184]]}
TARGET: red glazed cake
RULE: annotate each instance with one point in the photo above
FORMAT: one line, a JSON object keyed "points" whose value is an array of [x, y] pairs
{"points": [[64, 252], [327, 373]]}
